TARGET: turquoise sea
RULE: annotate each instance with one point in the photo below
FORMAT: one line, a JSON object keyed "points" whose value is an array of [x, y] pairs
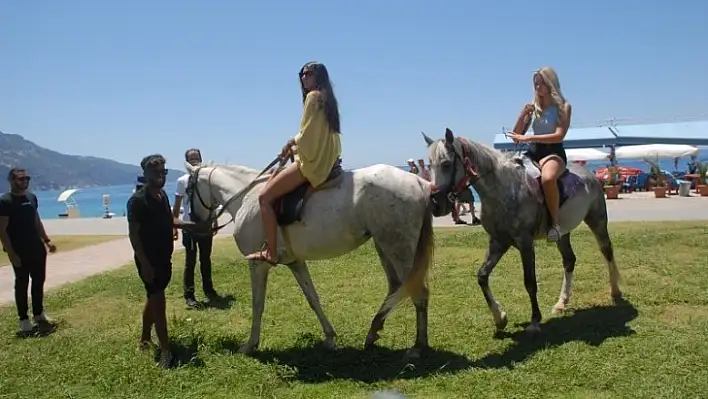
{"points": [[90, 201]]}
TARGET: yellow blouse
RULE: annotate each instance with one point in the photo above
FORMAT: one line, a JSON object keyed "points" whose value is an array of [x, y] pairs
{"points": [[318, 147]]}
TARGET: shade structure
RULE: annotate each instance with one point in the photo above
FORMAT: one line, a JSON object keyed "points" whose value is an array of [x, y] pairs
{"points": [[650, 151], [585, 154]]}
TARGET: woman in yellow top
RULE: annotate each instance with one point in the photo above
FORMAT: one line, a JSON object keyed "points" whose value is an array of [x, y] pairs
{"points": [[317, 146]]}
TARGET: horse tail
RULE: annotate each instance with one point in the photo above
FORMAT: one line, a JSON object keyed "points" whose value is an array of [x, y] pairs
{"points": [[416, 280]]}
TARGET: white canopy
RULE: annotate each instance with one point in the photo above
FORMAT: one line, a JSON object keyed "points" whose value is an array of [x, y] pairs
{"points": [[585, 154], [655, 151], [66, 194]]}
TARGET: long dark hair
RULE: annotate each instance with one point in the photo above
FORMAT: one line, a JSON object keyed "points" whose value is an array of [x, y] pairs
{"points": [[329, 101]]}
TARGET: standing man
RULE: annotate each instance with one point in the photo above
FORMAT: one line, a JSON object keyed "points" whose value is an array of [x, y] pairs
{"points": [[150, 225], [24, 239], [192, 243], [424, 172]]}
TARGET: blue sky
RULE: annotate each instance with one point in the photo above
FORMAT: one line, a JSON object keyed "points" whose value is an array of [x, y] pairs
{"points": [[124, 79]]}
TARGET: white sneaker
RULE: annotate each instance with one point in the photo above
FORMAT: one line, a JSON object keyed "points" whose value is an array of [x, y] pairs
{"points": [[44, 324], [25, 327], [41, 317]]}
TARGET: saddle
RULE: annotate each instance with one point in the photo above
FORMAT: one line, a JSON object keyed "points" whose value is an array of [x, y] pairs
{"points": [[289, 207], [568, 182]]}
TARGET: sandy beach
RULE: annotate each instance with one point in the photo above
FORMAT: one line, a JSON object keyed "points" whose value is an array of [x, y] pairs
{"points": [[71, 266]]}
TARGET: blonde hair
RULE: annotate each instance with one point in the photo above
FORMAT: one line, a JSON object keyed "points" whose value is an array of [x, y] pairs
{"points": [[550, 78]]}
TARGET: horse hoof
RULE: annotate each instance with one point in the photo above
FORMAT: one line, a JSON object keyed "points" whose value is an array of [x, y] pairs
{"points": [[246, 349], [330, 345], [558, 309], [617, 295], [502, 322], [371, 339], [533, 329], [412, 354]]}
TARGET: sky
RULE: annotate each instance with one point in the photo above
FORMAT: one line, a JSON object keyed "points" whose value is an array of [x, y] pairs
{"points": [[125, 79]]}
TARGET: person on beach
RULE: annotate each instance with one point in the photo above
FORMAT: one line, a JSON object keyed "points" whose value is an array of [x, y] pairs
{"points": [[318, 150], [424, 172], [193, 244], [150, 226], [549, 115], [26, 243], [411, 166]]}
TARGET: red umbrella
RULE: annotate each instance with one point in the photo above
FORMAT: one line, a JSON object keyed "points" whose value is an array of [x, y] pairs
{"points": [[623, 171]]}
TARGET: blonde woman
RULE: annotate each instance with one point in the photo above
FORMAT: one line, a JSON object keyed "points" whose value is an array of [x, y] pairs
{"points": [[549, 116]]}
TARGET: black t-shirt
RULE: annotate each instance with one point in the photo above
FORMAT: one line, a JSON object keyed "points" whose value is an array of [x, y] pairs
{"points": [[155, 218], [22, 228]]}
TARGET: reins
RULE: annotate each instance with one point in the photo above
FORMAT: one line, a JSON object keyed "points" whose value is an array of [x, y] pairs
{"points": [[240, 193]]}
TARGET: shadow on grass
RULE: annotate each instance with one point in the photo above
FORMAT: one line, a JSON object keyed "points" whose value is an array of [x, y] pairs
{"points": [[593, 326], [218, 302], [312, 363], [185, 352]]}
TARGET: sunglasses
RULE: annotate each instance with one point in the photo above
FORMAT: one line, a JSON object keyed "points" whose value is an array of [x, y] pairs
{"points": [[306, 73], [159, 172]]}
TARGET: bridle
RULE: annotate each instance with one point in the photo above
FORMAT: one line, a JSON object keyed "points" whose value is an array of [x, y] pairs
{"points": [[193, 190], [469, 177]]}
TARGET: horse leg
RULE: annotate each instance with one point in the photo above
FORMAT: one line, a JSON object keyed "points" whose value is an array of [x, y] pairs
{"points": [[496, 250], [302, 275], [421, 314], [528, 261], [377, 323], [259, 280], [598, 226], [566, 251]]}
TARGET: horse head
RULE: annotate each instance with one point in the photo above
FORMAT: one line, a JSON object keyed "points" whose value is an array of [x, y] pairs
{"points": [[202, 204], [450, 170]]}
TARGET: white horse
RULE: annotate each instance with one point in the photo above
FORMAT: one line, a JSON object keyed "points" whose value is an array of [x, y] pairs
{"points": [[381, 202]]}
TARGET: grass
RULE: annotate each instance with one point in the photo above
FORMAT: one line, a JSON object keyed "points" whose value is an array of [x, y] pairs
{"points": [[68, 243], [653, 345]]}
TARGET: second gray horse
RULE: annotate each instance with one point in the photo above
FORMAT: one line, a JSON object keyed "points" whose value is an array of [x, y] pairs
{"points": [[514, 212]]}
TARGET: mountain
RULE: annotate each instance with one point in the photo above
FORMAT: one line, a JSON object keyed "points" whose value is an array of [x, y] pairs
{"points": [[53, 170]]}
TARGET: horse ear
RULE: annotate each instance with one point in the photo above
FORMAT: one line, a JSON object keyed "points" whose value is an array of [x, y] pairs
{"points": [[449, 137], [189, 167], [427, 139]]}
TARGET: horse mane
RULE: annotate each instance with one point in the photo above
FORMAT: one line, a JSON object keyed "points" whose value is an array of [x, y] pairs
{"points": [[484, 158], [244, 173]]}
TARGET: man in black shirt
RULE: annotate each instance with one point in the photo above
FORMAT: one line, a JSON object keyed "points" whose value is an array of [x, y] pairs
{"points": [[24, 239], [150, 224]]}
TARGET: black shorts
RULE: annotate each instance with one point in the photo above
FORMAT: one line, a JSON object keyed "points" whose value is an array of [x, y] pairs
{"points": [[162, 274], [538, 151]]}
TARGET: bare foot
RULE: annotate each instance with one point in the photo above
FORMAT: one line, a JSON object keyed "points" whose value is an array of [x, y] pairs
{"points": [[262, 256]]}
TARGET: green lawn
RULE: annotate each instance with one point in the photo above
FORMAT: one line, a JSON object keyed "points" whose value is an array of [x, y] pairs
{"points": [[652, 346]]}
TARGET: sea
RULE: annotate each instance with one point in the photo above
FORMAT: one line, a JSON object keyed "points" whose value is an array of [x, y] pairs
{"points": [[90, 200]]}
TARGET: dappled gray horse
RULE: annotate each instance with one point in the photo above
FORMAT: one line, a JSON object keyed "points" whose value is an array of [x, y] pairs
{"points": [[381, 202], [514, 212]]}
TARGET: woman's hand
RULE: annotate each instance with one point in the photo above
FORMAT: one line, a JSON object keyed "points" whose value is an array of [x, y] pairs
{"points": [[518, 138], [287, 149]]}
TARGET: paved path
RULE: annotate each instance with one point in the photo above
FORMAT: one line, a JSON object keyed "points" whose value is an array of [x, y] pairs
{"points": [[67, 267]]}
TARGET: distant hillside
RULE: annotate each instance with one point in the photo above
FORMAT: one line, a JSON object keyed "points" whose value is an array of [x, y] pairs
{"points": [[53, 170]]}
